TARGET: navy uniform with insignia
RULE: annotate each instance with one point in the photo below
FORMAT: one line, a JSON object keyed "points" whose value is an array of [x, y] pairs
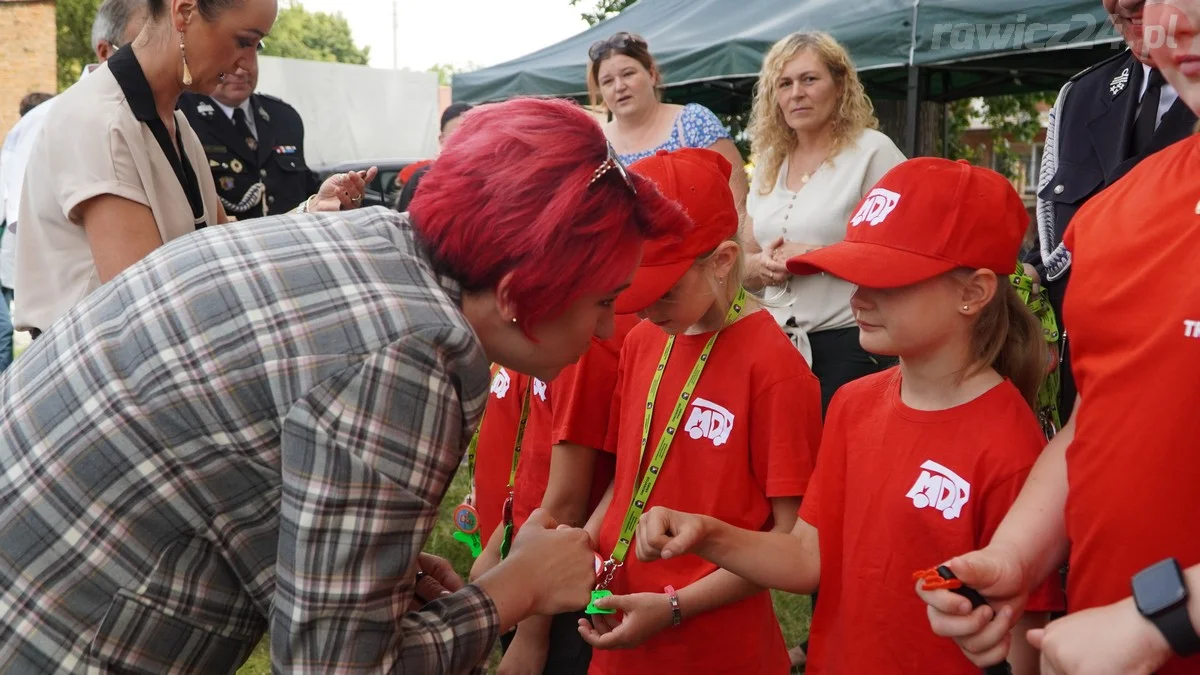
{"points": [[255, 151], [1096, 134]]}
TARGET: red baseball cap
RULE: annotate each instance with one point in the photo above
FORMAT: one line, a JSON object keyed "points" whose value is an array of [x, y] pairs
{"points": [[925, 217], [698, 180]]}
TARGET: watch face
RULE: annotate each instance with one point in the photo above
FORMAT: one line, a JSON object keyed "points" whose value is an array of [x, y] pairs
{"points": [[1159, 587]]}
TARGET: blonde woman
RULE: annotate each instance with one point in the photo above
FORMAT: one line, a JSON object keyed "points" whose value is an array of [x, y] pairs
{"points": [[818, 153]]}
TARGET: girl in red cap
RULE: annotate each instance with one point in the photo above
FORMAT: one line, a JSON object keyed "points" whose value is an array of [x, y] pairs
{"points": [[919, 462], [714, 411]]}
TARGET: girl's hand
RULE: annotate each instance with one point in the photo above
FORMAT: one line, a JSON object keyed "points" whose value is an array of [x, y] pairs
{"points": [[1110, 640], [641, 617], [984, 633], [663, 533]]}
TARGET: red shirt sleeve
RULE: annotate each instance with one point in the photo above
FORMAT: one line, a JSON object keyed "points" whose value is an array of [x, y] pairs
{"points": [[785, 428], [1050, 596], [614, 410], [582, 398]]}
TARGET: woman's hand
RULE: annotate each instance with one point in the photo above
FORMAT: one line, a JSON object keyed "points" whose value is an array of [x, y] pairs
{"points": [[435, 578], [642, 616], [788, 250], [342, 191], [763, 269]]}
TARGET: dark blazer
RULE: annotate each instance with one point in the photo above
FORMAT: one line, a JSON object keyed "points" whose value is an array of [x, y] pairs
{"points": [[1088, 149], [277, 163]]}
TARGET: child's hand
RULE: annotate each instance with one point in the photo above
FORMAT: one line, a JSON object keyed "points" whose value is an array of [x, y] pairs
{"points": [[663, 533], [1110, 640], [527, 653], [642, 616], [983, 634]]}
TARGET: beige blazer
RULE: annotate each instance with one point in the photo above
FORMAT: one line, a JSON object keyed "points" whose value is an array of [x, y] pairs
{"points": [[92, 144]]}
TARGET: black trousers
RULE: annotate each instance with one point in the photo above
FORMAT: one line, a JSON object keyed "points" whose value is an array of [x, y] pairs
{"points": [[568, 653], [838, 358]]}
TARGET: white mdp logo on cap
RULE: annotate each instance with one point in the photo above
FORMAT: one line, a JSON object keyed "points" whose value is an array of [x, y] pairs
{"points": [[878, 204]]}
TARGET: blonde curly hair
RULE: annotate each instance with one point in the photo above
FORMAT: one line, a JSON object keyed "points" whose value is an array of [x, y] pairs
{"points": [[771, 139]]}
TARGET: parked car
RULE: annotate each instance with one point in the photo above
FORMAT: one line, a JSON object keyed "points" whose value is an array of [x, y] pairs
{"points": [[383, 190]]}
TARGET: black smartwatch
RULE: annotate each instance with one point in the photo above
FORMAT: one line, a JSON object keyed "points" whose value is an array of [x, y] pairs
{"points": [[1161, 595]]}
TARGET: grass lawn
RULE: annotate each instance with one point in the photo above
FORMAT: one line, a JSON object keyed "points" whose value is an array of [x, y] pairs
{"points": [[793, 611]]}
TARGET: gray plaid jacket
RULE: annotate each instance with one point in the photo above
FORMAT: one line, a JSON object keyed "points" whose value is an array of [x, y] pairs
{"points": [[249, 430]]}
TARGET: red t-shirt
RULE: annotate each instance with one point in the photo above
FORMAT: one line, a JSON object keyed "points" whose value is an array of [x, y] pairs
{"points": [[748, 435], [493, 454], [897, 490], [571, 409], [1133, 313]]}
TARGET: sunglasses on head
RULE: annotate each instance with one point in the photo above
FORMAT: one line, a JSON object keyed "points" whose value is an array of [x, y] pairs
{"points": [[622, 40], [613, 162]]}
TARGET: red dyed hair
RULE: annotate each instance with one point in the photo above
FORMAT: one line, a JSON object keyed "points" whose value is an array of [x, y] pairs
{"points": [[510, 193]]}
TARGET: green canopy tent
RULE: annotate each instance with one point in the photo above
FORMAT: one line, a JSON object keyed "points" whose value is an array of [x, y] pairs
{"points": [[710, 51]]}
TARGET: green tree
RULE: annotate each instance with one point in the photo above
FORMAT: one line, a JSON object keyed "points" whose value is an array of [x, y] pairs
{"points": [[297, 34], [73, 19], [314, 36], [447, 71], [603, 10], [1012, 120]]}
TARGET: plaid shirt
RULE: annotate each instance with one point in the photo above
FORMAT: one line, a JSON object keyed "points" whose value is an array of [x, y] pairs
{"points": [[252, 428]]}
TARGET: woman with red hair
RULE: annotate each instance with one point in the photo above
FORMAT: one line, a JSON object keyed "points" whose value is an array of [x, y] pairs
{"points": [[269, 414]]}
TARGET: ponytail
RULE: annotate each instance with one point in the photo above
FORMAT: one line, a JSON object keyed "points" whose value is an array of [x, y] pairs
{"points": [[1007, 337]]}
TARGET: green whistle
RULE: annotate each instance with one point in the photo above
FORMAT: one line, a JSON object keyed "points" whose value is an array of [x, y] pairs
{"points": [[593, 609], [471, 540]]}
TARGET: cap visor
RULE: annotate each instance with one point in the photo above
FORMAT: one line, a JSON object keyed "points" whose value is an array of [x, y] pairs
{"points": [[870, 265], [650, 283]]}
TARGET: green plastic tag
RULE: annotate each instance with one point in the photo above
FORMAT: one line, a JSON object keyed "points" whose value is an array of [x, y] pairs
{"points": [[471, 540], [593, 609]]}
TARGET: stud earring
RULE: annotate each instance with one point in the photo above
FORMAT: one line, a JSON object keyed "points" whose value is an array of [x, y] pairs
{"points": [[187, 74], [966, 308]]}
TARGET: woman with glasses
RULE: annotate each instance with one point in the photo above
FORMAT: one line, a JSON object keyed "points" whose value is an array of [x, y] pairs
{"points": [[817, 153], [624, 77], [117, 171]]}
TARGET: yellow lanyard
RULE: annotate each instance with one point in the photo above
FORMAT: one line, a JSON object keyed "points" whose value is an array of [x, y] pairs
{"points": [[637, 504]]}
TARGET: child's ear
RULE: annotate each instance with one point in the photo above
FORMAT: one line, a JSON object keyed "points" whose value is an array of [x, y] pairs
{"points": [[724, 258], [979, 288]]}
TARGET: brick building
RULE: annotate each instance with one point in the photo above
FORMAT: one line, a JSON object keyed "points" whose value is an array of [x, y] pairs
{"points": [[28, 35]]}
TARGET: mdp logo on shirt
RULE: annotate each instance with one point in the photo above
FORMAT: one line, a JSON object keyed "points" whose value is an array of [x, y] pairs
{"points": [[539, 389], [709, 420], [940, 488], [501, 383]]}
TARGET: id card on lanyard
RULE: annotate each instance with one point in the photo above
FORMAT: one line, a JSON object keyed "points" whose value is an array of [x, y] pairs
{"points": [[637, 503]]}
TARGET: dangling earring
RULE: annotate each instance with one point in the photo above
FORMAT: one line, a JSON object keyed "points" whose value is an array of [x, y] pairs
{"points": [[187, 74]]}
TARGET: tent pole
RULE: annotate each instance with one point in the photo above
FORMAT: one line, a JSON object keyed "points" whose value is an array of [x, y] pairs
{"points": [[913, 98]]}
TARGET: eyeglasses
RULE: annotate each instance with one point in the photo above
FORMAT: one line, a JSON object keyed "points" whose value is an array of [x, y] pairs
{"points": [[622, 40], [613, 162]]}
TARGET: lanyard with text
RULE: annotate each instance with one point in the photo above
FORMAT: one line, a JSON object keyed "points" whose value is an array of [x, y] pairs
{"points": [[506, 542], [466, 518], [637, 503]]}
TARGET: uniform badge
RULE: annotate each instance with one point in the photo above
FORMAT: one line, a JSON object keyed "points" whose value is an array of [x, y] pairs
{"points": [[251, 143], [227, 183], [285, 149], [236, 166], [1118, 83], [263, 114], [204, 109], [213, 163]]}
